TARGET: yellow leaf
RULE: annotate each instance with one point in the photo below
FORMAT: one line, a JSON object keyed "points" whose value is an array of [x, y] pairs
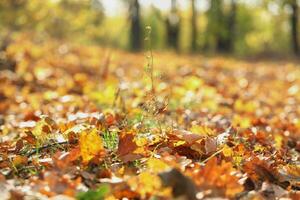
{"points": [[248, 107], [293, 170], [43, 128], [192, 83], [227, 151], [156, 165], [278, 141], [141, 141], [104, 95], [258, 148], [146, 183], [91, 145], [297, 122], [202, 130], [242, 122], [208, 92], [179, 143], [110, 197], [237, 160], [139, 150]]}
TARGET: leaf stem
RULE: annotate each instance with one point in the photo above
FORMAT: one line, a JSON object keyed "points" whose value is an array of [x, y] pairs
{"points": [[210, 157]]}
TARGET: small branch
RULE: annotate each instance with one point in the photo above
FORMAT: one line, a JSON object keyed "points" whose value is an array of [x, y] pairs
{"points": [[34, 151]]}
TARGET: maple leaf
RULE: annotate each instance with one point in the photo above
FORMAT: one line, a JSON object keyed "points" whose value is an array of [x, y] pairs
{"points": [[128, 150], [91, 145]]}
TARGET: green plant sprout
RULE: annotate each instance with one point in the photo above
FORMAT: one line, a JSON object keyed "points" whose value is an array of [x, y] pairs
{"points": [[149, 57]]}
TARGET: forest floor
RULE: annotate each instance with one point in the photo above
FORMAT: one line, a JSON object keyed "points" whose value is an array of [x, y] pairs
{"points": [[92, 123]]}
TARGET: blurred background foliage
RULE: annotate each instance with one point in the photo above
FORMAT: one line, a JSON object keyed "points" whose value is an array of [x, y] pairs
{"points": [[240, 27]]}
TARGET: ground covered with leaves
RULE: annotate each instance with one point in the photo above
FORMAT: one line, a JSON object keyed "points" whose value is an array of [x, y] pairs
{"points": [[93, 123]]}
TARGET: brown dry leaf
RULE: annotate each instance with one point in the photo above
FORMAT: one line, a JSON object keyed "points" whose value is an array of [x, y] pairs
{"points": [[128, 150], [186, 136], [210, 145], [64, 160], [192, 144], [19, 145], [53, 183], [30, 138], [260, 170], [180, 184], [290, 173]]}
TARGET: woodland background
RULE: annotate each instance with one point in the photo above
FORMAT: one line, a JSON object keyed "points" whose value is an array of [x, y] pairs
{"points": [[238, 27]]}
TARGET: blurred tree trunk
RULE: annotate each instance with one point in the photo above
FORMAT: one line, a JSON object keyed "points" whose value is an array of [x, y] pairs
{"points": [[223, 25], [219, 28], [194, 26], [135, 31], [173, 26], [6, 63], [294, 26], [231, 26]]}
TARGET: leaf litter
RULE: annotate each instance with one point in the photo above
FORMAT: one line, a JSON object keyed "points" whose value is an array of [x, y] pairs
{"points": [[86, 125]]}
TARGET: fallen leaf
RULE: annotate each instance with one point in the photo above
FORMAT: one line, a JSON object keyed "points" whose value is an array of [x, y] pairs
{"points": [[91, 145]]}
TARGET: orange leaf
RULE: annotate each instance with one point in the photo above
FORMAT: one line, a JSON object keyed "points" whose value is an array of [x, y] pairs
{"points": [[128, 150]]}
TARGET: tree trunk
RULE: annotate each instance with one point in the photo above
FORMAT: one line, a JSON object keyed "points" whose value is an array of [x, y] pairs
{"points": [[194, 26], [231, 26], [5, 62], [220, 36], [173, 25], [135, 31], [294, 27]]}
